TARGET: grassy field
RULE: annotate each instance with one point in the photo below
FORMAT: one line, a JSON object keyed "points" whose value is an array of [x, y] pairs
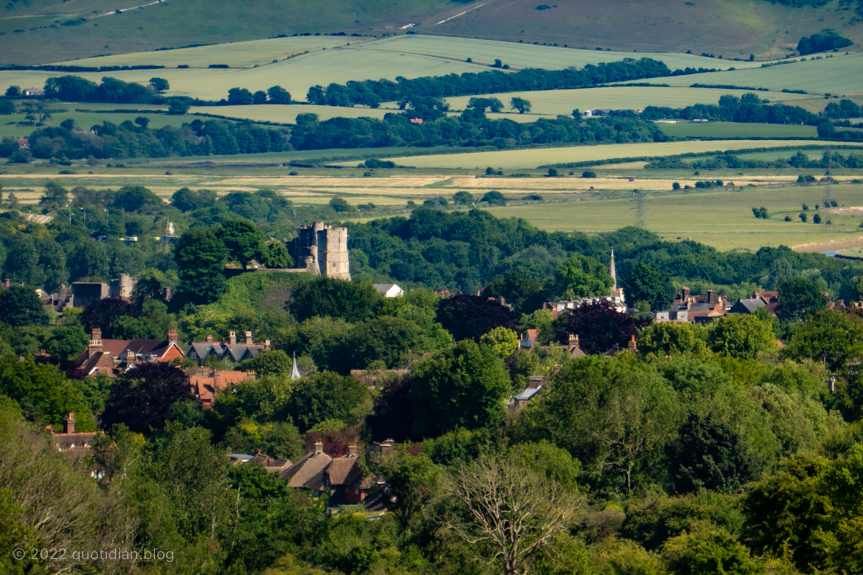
{"points": [[296, 75], [839, 74], [721, 219], [16, 126], [733, 28], [554, 102], [729, 130], [288, 114], [518, 159], [235, 55]]}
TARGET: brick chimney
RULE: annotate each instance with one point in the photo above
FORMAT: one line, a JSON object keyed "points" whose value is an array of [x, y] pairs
{"points": [[249, 338], [267, 345], [6, 283], [209, 338], [352, 451], [319, 447], [232, 337], [95, 343], [130, 355], [710, 296], [69, 424], [685, 293], [755, 295], [631, 345], [172, 336]]}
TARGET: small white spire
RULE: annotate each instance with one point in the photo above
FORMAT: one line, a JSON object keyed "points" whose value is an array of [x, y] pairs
{"points": [[613, 273], [295, 371]]}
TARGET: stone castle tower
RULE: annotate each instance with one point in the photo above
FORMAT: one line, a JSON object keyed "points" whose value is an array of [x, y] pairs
{"points": [[323, 249]]}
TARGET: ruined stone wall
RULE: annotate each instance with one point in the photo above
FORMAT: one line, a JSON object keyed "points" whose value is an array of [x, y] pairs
{"points": [[322, 250]]}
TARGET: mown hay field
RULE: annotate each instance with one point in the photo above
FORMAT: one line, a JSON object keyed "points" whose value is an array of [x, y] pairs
{"points": [[838, 74], [554, 102], [531, 158], [722, 219], [722, 130]]}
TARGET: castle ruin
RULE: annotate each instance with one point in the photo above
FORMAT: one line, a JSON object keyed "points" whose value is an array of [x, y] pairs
{"points": [[323, 249]]}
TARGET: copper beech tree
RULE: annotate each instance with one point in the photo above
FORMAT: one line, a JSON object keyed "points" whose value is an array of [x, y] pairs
{"points": [[514, 512]]}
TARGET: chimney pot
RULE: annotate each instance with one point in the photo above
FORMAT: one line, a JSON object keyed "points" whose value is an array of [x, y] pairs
{"points": [[710, 296], [319, 447], [209, 338], [352, 450], [69, 424], [232, 337], [249, 338], [172, 336]]}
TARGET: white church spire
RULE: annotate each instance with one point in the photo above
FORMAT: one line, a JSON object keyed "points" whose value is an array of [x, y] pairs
{"points": [[613, 273], [295, 372]]}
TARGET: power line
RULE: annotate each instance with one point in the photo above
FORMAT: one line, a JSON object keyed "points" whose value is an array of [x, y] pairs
{"points": [[829, 200], [640, 209]]}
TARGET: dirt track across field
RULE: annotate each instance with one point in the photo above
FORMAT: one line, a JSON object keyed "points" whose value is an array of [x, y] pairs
{"points": [[832, 245]]}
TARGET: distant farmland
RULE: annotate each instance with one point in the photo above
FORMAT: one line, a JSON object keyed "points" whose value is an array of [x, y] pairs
{"points": [[722, 130], [837, 74], [531, 158], [554, 102]]}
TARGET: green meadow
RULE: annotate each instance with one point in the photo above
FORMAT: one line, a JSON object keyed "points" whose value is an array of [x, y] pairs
{"points": [[531, 158], [723, 130], [722, 219], [836, 74], [554, 102]]}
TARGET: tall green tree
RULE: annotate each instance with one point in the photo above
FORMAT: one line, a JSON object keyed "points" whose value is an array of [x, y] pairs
{"points": [[741, 336], [243, 240], [326, 395], [799, 297], [20, 306], [462, 386], [581, 276], [645, 282], [201, 259]]}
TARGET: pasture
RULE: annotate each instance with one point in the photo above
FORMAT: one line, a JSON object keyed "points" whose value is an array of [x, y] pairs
{"points": [[838, 75], [16, 126], [554, 102], [729, 130], [288, 114], [531, 158], [722, 219], [235, 55]]}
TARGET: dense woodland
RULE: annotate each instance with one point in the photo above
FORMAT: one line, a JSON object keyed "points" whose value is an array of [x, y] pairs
{"points": [[707, 450]]}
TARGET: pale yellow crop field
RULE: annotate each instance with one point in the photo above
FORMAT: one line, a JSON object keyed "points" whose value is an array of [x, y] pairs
{"points": [[554, 102], [522, 159]]}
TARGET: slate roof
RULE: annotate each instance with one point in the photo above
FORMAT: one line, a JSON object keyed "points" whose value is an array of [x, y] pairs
{"points": [[236, 352], [527, 393], [308, 472]]}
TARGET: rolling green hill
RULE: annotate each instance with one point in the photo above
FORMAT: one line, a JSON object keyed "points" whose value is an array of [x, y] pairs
{"points": [[40, 31]]}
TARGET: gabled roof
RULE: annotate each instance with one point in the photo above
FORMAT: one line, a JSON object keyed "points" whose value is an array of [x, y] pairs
{"points": [[344, 471], [528, 393], [750, 304], [308, 472]]}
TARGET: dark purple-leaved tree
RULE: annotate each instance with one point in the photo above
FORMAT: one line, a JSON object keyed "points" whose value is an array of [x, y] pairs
{"points": [[470, 316], [142, 397], [599, 327]]}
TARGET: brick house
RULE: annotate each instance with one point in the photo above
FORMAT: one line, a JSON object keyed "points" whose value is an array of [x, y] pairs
{"points": [[229, 350], [205, 383], [115, 356]]}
